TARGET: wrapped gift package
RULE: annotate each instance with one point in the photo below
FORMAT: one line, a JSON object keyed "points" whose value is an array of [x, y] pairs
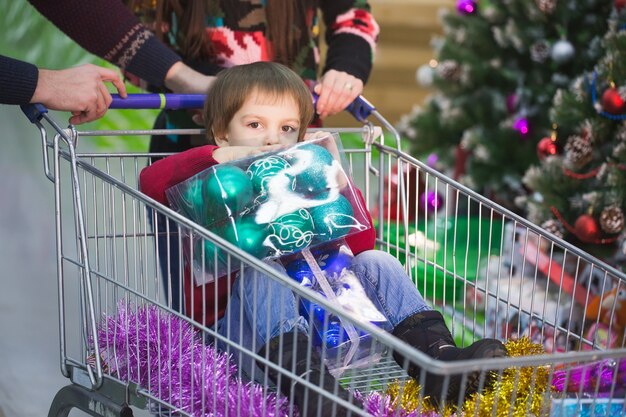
{"points": [[295, 205], [270, 205], [326, 270]]}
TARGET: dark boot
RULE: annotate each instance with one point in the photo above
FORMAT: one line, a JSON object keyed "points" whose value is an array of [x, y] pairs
{"points": [[292, 354], [427, 331]]}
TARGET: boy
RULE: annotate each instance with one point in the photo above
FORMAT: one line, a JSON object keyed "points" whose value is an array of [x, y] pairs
{"points": [[262, 107]]}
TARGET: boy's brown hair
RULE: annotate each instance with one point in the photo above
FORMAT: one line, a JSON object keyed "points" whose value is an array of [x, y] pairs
{"points": [[235, 85]]}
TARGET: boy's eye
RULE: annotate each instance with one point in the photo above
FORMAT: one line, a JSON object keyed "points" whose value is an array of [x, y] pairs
{"points": [[289, 129], [254, 125]]}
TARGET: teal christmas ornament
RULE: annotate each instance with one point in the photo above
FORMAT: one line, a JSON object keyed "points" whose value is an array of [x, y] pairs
{"points": [[334, 220], [292, 232], [310, 164], [227, 191], [208, 253], [193, 201], [261, 170], [248, 236]]}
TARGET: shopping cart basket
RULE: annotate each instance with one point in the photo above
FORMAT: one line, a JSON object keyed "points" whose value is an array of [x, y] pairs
{"points": [[491, 272]]}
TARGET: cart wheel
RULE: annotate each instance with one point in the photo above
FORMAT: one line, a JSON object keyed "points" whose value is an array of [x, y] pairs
{"points": [[91, 402]]}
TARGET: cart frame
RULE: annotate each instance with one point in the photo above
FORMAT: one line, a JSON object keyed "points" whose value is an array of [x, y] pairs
{"points": [[98, 392]]}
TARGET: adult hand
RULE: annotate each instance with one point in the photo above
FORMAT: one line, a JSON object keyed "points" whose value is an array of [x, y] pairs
{"points": [[80, 90], [336, 91], [182, 79]]}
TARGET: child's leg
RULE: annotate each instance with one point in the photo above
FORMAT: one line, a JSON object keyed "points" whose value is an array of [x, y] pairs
{"points": [[258, 310], [418, 325], [384, 279], [262, 315]]}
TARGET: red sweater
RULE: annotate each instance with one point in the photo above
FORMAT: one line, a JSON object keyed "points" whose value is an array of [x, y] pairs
{"points": [[167, 172]]}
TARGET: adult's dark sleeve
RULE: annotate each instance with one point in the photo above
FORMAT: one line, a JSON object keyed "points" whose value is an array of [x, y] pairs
{"points": [[111, 31], [351, 35], [18, 80]]}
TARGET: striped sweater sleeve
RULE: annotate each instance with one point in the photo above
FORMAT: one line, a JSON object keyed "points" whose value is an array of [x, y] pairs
{"points": [[351, 35], [109, 30]]}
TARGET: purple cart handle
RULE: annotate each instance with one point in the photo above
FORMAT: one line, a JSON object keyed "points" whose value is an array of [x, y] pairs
{"points": [[158, 101], [360, 108]]}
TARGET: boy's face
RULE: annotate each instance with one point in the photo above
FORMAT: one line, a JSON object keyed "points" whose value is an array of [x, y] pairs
{"points": [[263, 120]]}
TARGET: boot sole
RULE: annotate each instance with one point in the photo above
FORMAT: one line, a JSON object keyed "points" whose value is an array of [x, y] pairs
{"points": [[483, 349]]}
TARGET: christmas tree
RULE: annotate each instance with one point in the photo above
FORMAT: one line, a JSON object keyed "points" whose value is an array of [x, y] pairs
{"points": [[579, 188], [496, 70]]}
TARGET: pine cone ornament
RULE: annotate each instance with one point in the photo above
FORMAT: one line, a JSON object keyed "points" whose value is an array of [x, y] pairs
{"points": [[612, 219], [553, 226], [578, 151], [540, 51], [546, 6], [449, 70]]}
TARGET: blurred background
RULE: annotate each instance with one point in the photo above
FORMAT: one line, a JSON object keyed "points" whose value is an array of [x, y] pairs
{"points": [[30, 375]]}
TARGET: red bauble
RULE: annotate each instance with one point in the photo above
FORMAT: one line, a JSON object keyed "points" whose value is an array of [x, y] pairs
{"points": [[546, 147], [612, 101], [587, 229], [619, 4]]}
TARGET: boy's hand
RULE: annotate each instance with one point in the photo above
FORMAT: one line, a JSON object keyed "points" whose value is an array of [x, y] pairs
{"points": [[231, 153]]}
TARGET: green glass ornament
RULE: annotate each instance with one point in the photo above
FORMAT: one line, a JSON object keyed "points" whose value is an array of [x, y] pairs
{"points": [[261, 170], [248, 236], [334, 220], [227, 191], [211, 253], [313, 160], [193, 202], [292, 232]]}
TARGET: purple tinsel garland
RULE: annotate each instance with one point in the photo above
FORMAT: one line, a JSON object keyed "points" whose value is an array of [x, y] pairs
{"points": [[163, 353], [603, 375]]}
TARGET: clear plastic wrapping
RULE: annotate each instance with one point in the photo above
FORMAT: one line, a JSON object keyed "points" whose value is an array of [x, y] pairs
{"points": [[272, 204]]}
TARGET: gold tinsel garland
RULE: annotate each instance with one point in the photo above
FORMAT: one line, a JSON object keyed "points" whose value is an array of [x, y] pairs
{"points": [[525, 386]]}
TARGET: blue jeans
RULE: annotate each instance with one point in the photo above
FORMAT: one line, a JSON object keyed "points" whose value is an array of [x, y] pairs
{"points": [[260, 308]]}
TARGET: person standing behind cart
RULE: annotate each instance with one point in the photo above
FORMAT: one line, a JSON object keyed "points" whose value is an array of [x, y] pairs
{"points": [[214, 34], [211, 35], [109, 30], [262, 107]]}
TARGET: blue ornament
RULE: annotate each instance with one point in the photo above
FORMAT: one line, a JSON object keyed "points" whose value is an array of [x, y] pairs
{"points": [[334, 220], [310, 163], [292, 232], [335, 334], [332, 263], [227, 191], [248, 236], [261, 170]]}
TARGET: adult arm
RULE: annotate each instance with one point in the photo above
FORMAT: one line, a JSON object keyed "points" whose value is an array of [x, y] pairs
{"points": [[174, 169], [80, 90], [111, 31], [351, 36], [18, 81]]}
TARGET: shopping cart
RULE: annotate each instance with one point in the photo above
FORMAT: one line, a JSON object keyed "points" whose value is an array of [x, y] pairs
{"points": [[491, 272]]}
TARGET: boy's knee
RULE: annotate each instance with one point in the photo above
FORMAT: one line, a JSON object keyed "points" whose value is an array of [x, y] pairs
{"points": [[377, 258]]}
